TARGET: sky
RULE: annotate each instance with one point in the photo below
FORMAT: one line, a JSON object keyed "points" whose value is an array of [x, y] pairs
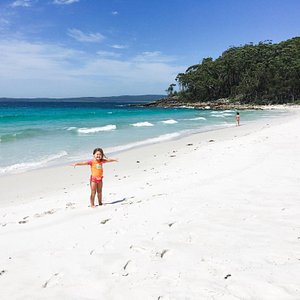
{"points": [[95, 48]]}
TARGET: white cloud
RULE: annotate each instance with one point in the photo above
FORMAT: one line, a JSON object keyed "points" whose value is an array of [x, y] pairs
{"points": [[108, 54], [62, 2], [114, 13], [153, 56], [85, 37], [3, 23], [119, 46], [46, 70], [22, 3]]}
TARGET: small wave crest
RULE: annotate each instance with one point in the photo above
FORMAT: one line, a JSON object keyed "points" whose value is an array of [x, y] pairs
{"points": [[218, 116], [97, 129], [197, 118], [227, 114], [23, 134], [22, 167], [222, 113], [171, 121], [71, 128], [142, 124]]}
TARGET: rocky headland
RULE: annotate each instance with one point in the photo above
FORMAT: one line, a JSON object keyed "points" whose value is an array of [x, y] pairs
{"points": [[221, 104]]}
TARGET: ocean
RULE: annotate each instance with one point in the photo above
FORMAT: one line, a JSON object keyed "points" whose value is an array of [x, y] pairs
{"points": [[41, 134]]}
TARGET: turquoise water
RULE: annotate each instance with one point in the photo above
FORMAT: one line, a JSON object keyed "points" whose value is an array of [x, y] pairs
{"points": [[35, 135]]}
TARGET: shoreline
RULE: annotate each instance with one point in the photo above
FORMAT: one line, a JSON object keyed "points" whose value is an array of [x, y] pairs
{"points": [[59, 173], [211, 215], [135, 145]]}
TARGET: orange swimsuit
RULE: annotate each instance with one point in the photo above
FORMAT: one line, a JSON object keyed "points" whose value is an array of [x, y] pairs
{"points": [[97, 170]]}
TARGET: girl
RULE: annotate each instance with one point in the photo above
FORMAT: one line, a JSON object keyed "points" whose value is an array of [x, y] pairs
{"points": [[237, 118], [96, 182]]}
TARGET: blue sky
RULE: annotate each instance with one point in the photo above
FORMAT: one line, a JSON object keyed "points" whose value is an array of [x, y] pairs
{"points": [[77, 48]]}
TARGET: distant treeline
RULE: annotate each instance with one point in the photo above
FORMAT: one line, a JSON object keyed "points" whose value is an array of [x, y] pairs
{"points": [[265, 73]]}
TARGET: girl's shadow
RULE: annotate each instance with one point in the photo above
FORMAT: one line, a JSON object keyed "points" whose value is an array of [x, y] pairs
{"points": [[115, 202]]}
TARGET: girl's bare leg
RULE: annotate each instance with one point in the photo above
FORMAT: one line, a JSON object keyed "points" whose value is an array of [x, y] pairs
{"points": [[93, 193], [99, 192]]}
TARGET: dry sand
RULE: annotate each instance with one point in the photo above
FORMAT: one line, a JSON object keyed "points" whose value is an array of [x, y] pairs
{"points": [[210, 216]]}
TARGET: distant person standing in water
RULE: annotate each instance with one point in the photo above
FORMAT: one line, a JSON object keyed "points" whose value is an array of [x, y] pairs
{"points": [[237, 118], [96, 179]]}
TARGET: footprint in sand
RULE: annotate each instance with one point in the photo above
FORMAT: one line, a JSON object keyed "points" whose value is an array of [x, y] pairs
{"points": [[162, 253], [125, 273], [104, 221], [164, 298], [70, 205], [137, 248], [48, 212], [158, 195], [171, 224], [22, 222], [51, 280]]}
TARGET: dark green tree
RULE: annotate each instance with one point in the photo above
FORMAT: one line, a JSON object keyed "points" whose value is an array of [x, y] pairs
{"points": [[265, 73]]}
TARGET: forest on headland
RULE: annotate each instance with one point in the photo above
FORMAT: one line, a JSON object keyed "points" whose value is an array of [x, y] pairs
{"points": [[265, 73]]}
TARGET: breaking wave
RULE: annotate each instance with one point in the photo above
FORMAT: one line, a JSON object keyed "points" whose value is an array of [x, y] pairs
{"points": [[142, 124], [97, 129], [22, 167]]}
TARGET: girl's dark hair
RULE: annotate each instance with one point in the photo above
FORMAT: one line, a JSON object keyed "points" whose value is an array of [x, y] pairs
{"points": [[100, 150], [237, 113]]}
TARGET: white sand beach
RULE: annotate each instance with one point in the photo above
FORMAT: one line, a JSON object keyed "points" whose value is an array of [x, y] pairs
{"points": [[214, 215]]}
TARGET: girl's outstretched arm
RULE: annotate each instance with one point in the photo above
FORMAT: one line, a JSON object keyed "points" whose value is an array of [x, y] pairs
{"points": [[84, 163], [111, 160]]}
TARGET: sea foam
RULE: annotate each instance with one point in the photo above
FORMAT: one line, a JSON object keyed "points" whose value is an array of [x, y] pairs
{"points": [[171, 121], [198, 118], [218, 116], [22, 167], [142, 124], [97, 129]]}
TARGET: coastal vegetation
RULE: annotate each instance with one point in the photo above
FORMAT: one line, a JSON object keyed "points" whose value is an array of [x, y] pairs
{"points": [[265, 73]]}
